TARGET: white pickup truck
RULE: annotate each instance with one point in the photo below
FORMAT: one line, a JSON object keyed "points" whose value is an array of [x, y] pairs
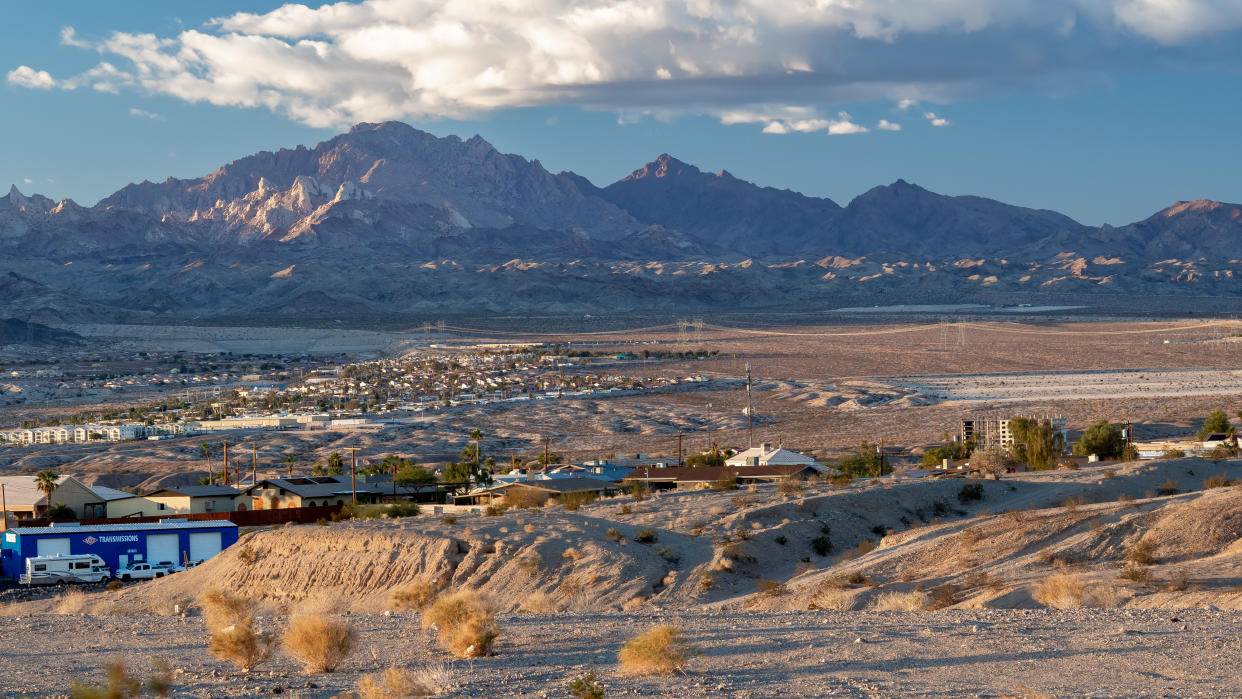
{"points": [[64, 568], [141, 571]]}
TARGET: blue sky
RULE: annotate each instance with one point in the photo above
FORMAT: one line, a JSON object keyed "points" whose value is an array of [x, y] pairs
{"points": [[1106, 110]]}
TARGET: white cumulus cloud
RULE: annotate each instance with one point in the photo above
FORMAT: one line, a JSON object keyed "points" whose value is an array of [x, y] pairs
{"points": [[25, 76], [144, 114], [935, 120], [886, 125], [370, 60]]}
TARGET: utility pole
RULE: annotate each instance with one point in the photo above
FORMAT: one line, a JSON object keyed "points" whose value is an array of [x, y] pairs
{"points": [[226, 463], [4, 510], [680, 462], [395, 465], [353, 483], [254, 464], [546, 439], [750, 412]]}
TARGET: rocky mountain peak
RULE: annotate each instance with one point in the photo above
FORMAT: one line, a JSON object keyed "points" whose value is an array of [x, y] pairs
{"points": [[664, 165]]}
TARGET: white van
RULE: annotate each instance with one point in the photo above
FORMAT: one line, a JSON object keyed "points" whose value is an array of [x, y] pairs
{"points": [[64, 568]]}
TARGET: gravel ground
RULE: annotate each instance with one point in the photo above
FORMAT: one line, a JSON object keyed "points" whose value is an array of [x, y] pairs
{"points": [[989, 653]]}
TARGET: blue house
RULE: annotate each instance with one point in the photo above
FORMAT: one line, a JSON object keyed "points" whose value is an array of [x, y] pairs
{"points": [[117, 544]]}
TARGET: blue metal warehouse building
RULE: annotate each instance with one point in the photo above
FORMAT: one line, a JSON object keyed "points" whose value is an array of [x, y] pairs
{"points": [[117, 544]]}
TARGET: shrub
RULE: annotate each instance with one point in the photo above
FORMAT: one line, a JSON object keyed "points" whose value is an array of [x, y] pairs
{"points": [[912, 601], [668, 554], [790, 487], [646, 536], [1218, 481], [247, 555], [707, 578], [638, 491], [1110, 474], [727, 481], [530, 563], [464, 623], [1169, 487], [821, 545], [782, 540], [1061, 591], [525, 498], [1136, 573], [1142, 553], [770, 588], [944, 596], [321, 642], [970, 492], [322, 521], [449, 520], [612, 534], [573, 501], [495, 509], [1173, 454], [413, 596], [586, 686], [660, 651], [394, 683], [115, 585], [231, 625], [626, 509], [122, 685]]}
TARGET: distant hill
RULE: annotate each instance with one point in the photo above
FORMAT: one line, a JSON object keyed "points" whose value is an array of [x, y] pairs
{"points": [[18, 332]]}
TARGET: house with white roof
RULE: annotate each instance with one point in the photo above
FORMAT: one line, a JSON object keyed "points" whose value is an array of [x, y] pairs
{"points": [[766, 455]]}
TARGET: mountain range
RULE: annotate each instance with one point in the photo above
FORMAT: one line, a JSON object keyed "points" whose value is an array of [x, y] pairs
{"points": [[390, 219]]}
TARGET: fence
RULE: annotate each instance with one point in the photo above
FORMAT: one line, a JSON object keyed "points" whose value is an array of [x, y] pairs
{"points": [[242, 518]]}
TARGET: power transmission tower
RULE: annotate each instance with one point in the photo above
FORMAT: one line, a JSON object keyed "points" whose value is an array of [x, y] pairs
{"points": [[682, 324], [961, 333], [698, 330]]}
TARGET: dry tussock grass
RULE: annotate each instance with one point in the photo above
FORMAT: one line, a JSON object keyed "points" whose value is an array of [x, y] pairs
{"points": [[399, 683], [660, 651], [540, 603], [71, 602], [231, 625], [319, 641], [912, 601], [416, 595], [831, 598], [464, 622], [1061, 591], [1142, 553]]}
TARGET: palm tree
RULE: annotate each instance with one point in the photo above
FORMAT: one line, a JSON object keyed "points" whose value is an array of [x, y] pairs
{"points": [[476, 435], [46, 483]]}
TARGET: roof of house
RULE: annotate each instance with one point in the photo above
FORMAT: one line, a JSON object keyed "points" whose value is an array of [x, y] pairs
{"points": [[199, 491], [148, 526], [327, 486], [20, 491], [110, 494], [767, 455], [710, 474], [567, 485]]}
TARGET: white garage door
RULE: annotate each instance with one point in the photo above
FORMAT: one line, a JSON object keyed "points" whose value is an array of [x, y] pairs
{"points": [[162, 547], [204, 545], [51, 547]]}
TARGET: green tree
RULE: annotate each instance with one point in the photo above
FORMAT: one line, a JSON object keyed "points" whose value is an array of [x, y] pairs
{"points": [[1103, 439], [336, 466], [1218, 421], [714, 456], [46, 482], [865, 464], [1037, 443], [456, 472]]}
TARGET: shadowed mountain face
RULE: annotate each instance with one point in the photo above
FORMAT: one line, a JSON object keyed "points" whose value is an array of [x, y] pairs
{"points": [[389, 219]]}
